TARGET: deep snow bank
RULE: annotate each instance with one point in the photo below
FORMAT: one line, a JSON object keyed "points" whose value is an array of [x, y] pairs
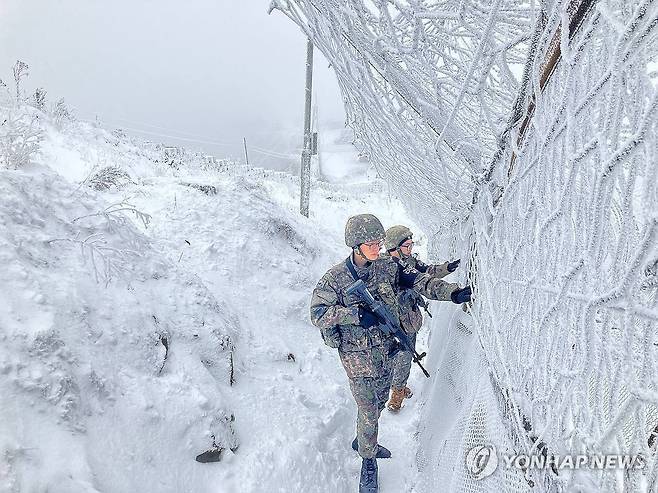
{"points": [[85, 384], [114, 362], [247, 241], [219, 282]]}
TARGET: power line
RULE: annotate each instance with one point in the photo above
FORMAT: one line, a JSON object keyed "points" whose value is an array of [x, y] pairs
{"points": [[156, 134], [161, 128], [259, 150]]}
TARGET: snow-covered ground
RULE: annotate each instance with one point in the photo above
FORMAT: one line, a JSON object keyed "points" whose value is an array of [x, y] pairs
{"points": [[338, 161], [127, 313]]}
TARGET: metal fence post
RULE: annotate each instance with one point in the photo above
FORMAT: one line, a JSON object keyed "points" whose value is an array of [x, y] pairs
{"points": [[305, 174]]}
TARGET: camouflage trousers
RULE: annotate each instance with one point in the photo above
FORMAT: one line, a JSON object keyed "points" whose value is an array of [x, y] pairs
{"points": [[402, 366], [370, 394]]}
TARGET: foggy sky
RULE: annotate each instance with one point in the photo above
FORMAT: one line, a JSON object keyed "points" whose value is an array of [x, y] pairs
{"points": [[211, 70]]}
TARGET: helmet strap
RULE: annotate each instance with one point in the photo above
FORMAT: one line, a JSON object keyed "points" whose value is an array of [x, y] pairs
{"points": [[357, 250], [399, 250], [402, 255]]}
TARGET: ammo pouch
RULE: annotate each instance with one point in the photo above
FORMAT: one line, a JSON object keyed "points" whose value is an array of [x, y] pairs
{"points": [[331, 336], [414, 299]]}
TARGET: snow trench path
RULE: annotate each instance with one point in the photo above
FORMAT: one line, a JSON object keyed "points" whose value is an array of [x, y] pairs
{"points": [[295, 416]]}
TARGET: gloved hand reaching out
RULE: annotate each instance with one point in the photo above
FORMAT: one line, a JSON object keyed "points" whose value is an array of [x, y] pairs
{"points": [[462, 295]]}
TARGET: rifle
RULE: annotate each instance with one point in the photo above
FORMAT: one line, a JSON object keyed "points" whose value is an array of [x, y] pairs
{"points": [[418, 301], [388, 324]]}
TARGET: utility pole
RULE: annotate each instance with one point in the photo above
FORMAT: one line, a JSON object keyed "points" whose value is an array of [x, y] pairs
{"points": [[315, 142], [246, 156], [305, 174]]}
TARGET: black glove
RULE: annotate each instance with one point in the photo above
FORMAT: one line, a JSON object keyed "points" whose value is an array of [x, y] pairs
{"points": [[395, 348], [462, 295], [367, 318], [452, 266]]}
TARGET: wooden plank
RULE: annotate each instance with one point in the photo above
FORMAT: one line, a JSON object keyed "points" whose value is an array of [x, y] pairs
{"points": [[577, 10]]}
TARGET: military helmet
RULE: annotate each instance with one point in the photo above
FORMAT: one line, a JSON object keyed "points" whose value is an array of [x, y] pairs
{"points": [[396, 235], [363, 228]]}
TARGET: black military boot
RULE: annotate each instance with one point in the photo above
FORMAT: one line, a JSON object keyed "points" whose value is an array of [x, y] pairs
{"points": [[368, 481], [382, 452]]}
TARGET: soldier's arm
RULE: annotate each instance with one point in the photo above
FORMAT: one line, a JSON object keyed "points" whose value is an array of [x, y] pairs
{"points": [[438, 270], [435, 270], [430, 287], [418, 264], [326, 311]]}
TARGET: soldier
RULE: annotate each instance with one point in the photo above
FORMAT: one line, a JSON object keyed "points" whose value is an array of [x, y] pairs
{"points": [[365, 351], [398, 244]]}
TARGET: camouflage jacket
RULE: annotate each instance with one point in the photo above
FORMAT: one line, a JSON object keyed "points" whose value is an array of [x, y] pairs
{"points": [[410, 301], [337, 314], [435, 270]]}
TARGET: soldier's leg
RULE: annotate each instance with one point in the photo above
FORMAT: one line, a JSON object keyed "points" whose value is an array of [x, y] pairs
{"points": [[364, 390], [401, 369], [402, 366], [384, 383]]}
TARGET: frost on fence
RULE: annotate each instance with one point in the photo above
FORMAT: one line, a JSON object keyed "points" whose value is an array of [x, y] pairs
{"points": [[568, 258], [525, 133], [427, 86]]}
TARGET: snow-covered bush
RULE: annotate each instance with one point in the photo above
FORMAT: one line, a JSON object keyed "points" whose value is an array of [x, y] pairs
{"points": [[20, 71], [107, 259], [20, 130], [20, 136], [172, 157], [108, 177], [39, 99], [61, 113]]}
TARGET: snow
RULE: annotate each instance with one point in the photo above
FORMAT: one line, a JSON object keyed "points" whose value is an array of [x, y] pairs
{"points": [[155, 301], [522, 140], [95, 402], [340, 164], [83, 363]]}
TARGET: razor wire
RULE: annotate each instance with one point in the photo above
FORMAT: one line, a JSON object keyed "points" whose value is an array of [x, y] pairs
{"points": [[525, 133]]}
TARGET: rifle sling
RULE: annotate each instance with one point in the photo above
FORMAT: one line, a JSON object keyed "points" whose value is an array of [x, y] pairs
{"points": [[350, 267]]}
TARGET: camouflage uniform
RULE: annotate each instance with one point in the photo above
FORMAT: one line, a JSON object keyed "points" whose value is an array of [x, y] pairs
{"points": [[366, 353], [411, 317]]}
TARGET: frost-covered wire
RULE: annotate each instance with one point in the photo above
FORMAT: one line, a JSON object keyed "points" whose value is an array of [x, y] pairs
{"points": [[525, 135]]}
